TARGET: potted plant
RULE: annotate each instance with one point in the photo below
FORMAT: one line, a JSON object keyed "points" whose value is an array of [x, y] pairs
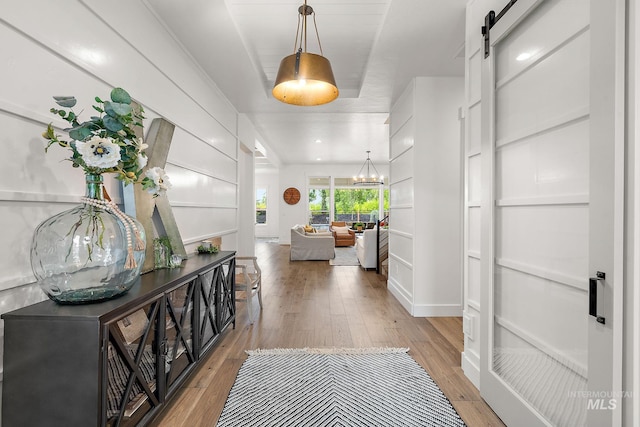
{"points": [[358, 226]]}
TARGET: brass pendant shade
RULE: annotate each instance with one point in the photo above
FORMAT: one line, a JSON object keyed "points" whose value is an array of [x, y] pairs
{"points": [[313, 84], [305, 79]]}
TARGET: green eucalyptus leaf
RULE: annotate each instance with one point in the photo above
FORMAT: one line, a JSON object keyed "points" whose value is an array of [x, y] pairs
{"points": [[112, 124], [80, 133], [121, 96], [98, 100], [65, 101], [108, 109], [115, 109]]}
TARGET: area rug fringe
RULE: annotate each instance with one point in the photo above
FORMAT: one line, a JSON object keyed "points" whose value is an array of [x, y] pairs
{"points": [[333, 350]]}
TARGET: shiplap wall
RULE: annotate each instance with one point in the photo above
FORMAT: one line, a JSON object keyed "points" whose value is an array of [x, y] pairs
{"points": [[84, 48]]}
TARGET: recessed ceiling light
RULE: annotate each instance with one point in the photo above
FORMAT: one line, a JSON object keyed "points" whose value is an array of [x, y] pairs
{"points": [[318, 159], [318, 141]]}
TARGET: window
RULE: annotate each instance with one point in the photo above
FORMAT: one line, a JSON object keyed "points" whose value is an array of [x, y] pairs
{"points": [[261, 206], [356, 204], [359, 204], [337, 199], [319, 202]]}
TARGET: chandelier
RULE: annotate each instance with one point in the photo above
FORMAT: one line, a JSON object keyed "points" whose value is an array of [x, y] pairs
{"points": [[305, 78], [368, 179]]}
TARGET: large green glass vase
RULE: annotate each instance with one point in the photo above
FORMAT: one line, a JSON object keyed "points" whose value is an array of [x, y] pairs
{"points": [[80, 255]]}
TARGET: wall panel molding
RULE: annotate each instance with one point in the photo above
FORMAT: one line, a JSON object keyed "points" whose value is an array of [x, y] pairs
{"points": [[401, 233], [401, 261], [575, 282], [541, 127], [208, 235], [539, 344], [201, 171], [26, 197], [19, 279], [563, 200], [473, 304]]}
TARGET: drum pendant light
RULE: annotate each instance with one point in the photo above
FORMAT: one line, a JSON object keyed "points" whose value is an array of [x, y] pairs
{"points": [[305, 78]]}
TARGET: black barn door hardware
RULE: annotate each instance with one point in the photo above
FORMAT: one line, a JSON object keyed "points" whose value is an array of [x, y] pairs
{"points": [[489, 22], [593, 296]]}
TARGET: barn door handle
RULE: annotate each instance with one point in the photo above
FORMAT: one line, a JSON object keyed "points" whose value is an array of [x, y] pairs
{"points": [[593, 296]]}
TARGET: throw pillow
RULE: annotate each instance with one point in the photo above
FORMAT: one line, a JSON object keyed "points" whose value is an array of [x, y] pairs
{"points": [[309, 229], [341, 230]]}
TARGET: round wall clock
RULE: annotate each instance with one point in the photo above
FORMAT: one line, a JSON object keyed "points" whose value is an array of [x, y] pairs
{"points": [[291, 195]]}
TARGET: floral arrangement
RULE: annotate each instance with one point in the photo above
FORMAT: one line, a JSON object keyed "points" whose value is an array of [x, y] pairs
{"points": [[107, 143]]}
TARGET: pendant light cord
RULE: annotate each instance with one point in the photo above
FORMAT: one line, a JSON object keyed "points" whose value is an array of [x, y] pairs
{"points": [[317, 35], [301, 30]]}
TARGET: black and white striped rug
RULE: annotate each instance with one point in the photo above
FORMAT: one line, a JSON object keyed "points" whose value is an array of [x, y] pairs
{"points": [[335, 387]]}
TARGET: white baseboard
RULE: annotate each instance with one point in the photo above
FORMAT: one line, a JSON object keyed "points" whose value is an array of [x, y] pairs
{"points": [[471, 369], [400, 295], [437, 310], [423, 310]]}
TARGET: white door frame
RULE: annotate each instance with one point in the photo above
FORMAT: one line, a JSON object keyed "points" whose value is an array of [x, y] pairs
{"points": [[607, 109]]}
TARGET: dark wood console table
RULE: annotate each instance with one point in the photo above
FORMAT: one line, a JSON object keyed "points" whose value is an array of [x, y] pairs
{"points": [[115, 363]]}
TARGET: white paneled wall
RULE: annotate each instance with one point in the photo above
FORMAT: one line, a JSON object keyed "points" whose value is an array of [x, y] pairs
{"points": [[84, 49], [425, 241]]}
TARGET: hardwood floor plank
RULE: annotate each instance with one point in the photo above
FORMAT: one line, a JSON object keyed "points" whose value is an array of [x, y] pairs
{"points": [[450, 328], [182, 407], [477, 413], [312, 304]]}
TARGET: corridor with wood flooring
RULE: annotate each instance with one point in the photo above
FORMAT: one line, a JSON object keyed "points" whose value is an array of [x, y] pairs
{"points": [[312, 304]]}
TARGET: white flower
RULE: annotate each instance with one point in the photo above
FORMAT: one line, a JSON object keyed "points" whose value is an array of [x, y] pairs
{"points": [[99, 152], [141, 145], [160, 179], [142, 161]]}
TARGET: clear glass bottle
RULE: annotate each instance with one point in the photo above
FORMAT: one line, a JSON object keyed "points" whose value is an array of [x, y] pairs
{"points": [[162, 255], [80, 255]]}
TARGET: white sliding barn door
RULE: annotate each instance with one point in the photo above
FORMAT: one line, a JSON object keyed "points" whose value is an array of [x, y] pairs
{"points": [[551, 212]]}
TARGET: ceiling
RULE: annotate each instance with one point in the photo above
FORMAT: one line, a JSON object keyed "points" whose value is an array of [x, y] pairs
{"points": [[375, 47]]}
